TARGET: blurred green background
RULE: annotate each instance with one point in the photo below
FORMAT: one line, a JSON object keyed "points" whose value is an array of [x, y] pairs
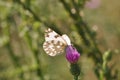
{"points": [[22, 25]]}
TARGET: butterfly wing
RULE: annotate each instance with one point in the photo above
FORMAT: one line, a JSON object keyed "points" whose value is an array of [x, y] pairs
{"points": [[54, 44]]}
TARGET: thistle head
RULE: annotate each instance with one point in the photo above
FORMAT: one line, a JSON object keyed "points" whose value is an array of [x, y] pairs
{"points": [[72, 55]]}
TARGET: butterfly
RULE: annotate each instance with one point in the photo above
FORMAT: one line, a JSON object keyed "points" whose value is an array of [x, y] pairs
{"points": [[55, 44]]}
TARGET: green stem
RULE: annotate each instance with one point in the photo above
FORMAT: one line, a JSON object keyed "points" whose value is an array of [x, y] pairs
{"points": [[77, 20], [36, 17], [75, 77], [39, 71], [101, 76], [75, 70], [36, 56], [14, 60], [12, 55]]}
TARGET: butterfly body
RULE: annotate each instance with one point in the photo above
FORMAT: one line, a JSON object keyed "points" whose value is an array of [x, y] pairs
{"points": [[54, 43]]}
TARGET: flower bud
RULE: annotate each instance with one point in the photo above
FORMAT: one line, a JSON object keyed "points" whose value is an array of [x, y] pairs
{"points": [[72, 55]]}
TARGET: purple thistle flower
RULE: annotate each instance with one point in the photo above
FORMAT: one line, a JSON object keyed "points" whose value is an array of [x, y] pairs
{"points": [[72, 55], [92, 4]]}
